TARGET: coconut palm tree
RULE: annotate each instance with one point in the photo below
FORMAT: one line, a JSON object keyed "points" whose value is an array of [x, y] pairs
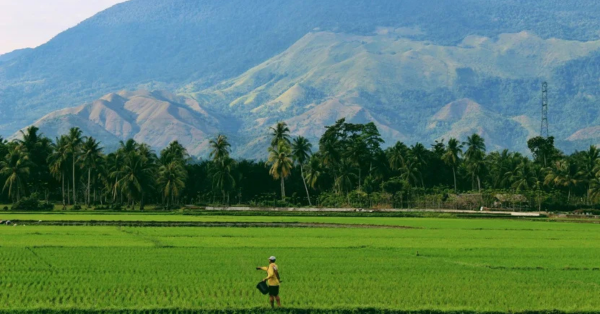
{"points": [[280, 133], [90, 158], [451, 157], [280, 159], [343, 182], [220, 147], [136, 177], [221, 176], [474, 158], [174, 152], [590, 165], [397, 155], [420, 155], [301, 150], [410, 171], [114, 163], [525, 177], [128, 146], [74, 140], [565, 174], [58, 162], [15, 167], [171, 180], [314, 171]]}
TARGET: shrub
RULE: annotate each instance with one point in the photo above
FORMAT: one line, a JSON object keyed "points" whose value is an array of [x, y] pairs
{"points": [[47, 206], [76, 207], [27, 203]]}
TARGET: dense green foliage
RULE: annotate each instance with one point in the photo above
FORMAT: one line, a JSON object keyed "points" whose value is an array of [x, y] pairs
{"points": [[349, 169], [443, 264]]}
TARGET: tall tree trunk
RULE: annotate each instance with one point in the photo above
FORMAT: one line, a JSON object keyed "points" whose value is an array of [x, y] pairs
{"points": [[88, 187], [478, 183], [142, 203], [115, 190], [64, 201], [454, 173], [282, 189], [305, 187], [68, 192], [74, 185], [359, 176]]}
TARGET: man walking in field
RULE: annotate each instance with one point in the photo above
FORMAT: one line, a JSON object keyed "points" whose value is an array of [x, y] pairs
{"points": [[272, 280]]}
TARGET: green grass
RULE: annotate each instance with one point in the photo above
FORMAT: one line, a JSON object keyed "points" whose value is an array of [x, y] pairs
{"points": [[477, 265]]}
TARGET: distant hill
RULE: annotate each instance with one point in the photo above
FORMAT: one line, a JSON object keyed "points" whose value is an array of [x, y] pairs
{"points": [[255, 61], [155, 118]]}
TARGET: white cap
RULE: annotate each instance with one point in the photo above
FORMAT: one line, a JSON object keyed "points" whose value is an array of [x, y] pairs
{"points": [[272, 258]]}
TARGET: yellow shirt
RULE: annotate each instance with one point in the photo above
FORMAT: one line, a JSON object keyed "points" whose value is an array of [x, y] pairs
{"points": [[272, 279]]}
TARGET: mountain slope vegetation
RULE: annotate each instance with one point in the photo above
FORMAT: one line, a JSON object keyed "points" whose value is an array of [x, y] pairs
{"points": [[197, 46]]}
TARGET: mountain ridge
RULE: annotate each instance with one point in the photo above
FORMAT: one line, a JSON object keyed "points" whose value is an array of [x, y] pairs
{"points": [[257, 61]]}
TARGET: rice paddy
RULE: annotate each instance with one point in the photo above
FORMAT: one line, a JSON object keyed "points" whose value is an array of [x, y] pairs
{"points": [[480, 265]]}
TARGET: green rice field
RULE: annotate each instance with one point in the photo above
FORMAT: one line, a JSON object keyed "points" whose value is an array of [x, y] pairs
{"points": [[404, 264]]}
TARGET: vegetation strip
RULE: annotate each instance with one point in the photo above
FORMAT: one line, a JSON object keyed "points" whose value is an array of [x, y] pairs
{"points": [[282, 311], [203, 224]]}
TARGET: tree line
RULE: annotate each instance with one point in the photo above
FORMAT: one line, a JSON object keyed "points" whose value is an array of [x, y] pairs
{"points": [[349, 167]]}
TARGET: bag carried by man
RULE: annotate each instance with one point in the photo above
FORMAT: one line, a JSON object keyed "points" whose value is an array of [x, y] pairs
{"points": [[262, 287]]}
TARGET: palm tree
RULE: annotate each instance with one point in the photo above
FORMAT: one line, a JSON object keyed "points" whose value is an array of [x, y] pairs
{"points": [[281, 163], [221, 176], [114, 163], [343, 182], [590, 165], [91, 155], [74, 140], [58, 162], [280, 133], [410, 171], [420, 155], [313, 171], [301, 150], [474, 157], [171, 179], [595, 188], [137, 176], [15, 167], [564, 173], [220, 147], [128, 146], [525, 176], [397, 155], [451, 157], [174, 152]]}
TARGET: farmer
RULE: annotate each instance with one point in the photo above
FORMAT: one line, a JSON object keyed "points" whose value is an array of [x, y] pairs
{"points": [[272, 280]]}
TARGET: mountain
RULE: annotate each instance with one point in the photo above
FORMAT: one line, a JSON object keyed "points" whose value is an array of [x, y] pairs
{"points": [[14, 54], [462, 118], [413, 90], [251, 62], [155, 118]]}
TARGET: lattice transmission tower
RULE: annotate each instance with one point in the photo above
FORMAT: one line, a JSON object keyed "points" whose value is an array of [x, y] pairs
{"points": [[544, 129]]}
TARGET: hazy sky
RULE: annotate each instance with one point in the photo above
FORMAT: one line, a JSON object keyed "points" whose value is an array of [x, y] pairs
{"points": [[30, 23]]}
